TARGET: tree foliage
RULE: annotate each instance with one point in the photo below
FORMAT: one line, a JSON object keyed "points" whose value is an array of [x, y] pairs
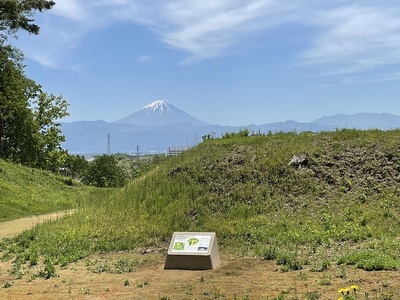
{"points": [[29, 131], [47, 109], [75, 166], [18, 14], [104, 172]]}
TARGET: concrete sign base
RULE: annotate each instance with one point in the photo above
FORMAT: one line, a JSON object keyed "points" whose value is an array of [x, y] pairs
{"points": [[193, 251]]}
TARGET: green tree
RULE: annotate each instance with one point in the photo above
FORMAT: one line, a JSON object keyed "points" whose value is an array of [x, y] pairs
{"points": [[29, 133], [14, 15], [76, 166], [47, 109], [18, 14], [104, 172], [16, 116]]}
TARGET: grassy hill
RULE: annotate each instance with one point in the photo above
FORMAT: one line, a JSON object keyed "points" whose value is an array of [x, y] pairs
{"points": [[26, 191], [342, 207]]}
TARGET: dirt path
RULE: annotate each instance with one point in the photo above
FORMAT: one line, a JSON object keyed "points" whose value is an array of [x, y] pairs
{"points": [[12, 228]]}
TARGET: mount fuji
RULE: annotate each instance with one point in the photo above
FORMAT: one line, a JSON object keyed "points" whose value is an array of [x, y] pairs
{"points": [[160, 113], [154, 128]]}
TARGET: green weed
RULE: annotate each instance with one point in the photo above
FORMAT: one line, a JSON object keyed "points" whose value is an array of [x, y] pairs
{"points": [[48, 271], [314, 295], [370, 260], [302, 276], [289, 262], [326, 280], [146, 282], [85, 291]]}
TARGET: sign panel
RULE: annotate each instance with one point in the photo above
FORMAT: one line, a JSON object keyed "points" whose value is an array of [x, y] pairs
{"points": [[193, 251], [191, 243]]}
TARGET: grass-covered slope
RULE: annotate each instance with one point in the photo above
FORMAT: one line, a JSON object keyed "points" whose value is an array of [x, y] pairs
{"points": [[26, 191], [342, 207]]}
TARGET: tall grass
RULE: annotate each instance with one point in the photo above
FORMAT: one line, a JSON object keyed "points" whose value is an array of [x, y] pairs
{"points": [[26, 191], [345, 201]]}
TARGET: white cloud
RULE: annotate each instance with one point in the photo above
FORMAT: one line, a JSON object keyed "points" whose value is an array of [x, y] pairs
{"points": [[202, 29], [71, 9], [354, 39], [343, 38], [207, 29], [382, 77], [43, 60]]}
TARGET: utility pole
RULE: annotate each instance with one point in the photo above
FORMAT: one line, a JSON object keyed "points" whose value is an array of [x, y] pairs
{"points": [[108, 145]]}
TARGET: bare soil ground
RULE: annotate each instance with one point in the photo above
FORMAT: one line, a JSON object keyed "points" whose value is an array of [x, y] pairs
{"points": [[235, 278]]}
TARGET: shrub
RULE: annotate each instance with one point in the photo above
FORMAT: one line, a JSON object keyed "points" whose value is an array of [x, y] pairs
{"points": [[104, 172]]}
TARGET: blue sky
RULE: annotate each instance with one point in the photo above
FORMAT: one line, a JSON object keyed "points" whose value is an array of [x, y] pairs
{"points": [[228, 62]]}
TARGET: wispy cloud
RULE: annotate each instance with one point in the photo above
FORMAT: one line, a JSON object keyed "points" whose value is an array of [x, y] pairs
{"points": [[71, 9], [201, 29], [209, 28], [344, 38], [355, 39]]}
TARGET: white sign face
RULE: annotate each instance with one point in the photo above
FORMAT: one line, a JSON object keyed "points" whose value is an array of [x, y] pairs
{"points": [[191, 243]]}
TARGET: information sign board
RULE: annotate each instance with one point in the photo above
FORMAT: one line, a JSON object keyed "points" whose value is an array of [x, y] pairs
{"points": [[191, 243], [193, 251]]}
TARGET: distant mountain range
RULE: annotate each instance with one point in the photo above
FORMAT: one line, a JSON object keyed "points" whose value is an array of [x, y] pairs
{"points": [[160, 125]]}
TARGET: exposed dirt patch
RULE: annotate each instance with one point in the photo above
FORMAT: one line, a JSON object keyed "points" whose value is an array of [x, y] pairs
{"points": [[240, 277]]}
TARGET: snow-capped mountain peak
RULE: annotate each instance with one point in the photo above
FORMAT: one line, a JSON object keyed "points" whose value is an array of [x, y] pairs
{"points": [[160, 113], [158, 106]]}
